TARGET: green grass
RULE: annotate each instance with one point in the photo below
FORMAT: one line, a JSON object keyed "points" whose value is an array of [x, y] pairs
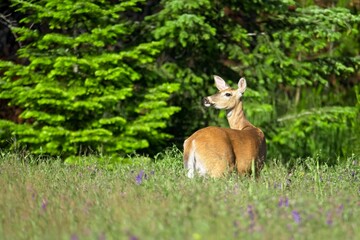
{"points": [[51, 200]]}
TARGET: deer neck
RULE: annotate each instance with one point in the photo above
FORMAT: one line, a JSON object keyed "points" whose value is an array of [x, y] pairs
{"points": [[236, 117]]}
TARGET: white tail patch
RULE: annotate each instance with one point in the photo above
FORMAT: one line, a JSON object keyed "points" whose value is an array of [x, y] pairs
{"points": [[194, 164], [191, 164]]}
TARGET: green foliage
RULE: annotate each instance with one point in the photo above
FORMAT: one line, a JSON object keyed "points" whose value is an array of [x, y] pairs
{"points": [[79, 90], [108, 77], [311, 130], [309, 52], [286, 55], [198, 37], [308, 46], [180, 22]]}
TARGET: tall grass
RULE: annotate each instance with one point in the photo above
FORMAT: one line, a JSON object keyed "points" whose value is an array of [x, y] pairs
{"points": [[154, 200]]}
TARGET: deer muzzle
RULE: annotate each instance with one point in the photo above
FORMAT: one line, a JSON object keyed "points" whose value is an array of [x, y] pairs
{"points": [[207, 102]]}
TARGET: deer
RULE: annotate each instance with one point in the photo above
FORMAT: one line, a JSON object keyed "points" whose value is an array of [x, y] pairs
{"points": [[216, 151]]}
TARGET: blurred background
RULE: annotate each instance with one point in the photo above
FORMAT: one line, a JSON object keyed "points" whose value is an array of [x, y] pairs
{"points": [[118, 77]]}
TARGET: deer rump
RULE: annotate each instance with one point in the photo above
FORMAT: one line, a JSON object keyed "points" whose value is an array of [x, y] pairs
{"points": [[215, 151]]}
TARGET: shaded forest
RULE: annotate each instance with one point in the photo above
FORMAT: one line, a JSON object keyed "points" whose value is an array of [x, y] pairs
{"points": [[117, 77]]}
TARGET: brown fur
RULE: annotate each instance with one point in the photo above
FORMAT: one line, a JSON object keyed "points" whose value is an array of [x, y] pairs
{"points": [[220, 150], [223, 149]]}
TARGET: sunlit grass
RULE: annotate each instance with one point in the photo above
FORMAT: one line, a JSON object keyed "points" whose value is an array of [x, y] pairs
{"points": [[155, 200]]}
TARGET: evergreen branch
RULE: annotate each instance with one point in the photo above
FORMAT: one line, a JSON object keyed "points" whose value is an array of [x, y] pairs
{"points": [[10, 24]]}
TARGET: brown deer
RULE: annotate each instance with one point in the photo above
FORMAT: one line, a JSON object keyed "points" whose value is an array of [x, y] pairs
{"points": [[215, 151]]}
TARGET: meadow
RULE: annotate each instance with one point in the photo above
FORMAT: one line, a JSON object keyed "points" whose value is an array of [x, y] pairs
{"points": [[43, 198]]}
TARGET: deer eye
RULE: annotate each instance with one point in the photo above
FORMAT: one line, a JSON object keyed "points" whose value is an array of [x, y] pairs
{"points": [[228, 94]]}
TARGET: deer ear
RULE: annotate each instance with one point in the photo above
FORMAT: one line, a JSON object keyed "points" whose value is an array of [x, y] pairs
{"points": [[220, 83], [242, 85]]}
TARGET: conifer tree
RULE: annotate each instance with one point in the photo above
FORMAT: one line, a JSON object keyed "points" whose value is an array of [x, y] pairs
{"points": [[89, 83]]}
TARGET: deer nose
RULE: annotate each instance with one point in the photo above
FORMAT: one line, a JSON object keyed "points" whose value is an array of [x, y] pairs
{"points": [[206, 102]]}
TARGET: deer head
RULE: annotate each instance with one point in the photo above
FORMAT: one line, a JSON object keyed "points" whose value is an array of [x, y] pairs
{"points": [[227, 98]]}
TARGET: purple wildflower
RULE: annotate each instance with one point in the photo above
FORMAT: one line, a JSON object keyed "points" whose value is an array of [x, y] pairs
{"points": [[33, 192], [280, 202], [296, 216], [329, 219], [102, 236], [251, 213], [140, 177], [283, 202], [74, 237], [44, 204], [340, 209], [133, 238]]}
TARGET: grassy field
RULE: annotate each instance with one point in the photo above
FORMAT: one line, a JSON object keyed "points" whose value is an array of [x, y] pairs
{"points": [[154, 200]]}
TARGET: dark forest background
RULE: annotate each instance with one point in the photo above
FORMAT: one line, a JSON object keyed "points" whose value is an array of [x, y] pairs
{"points": [[81, 77]]}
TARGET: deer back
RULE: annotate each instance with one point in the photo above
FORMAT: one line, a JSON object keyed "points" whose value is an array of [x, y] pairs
{"points": [[215, 151]]}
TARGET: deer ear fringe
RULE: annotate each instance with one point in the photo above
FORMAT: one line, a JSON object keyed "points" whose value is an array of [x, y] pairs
{"points": [[220, 83], [242, 85]]}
